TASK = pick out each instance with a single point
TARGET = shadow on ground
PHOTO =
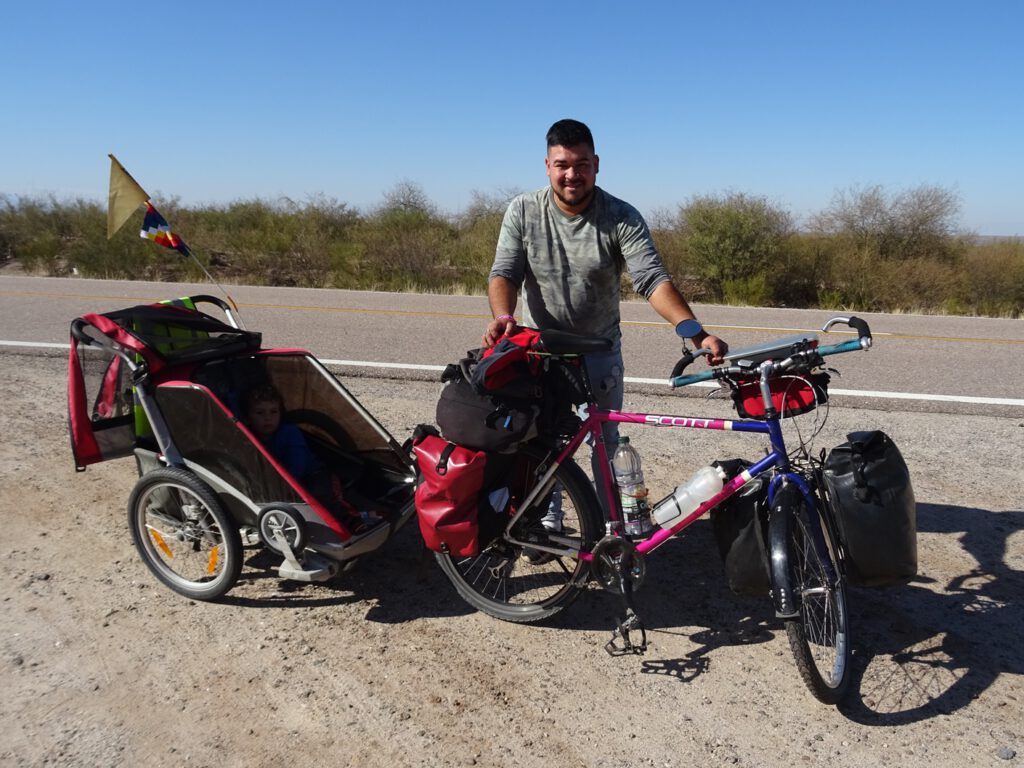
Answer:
(920, 650)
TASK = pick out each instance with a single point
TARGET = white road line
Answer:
(366, 364)
(630, 380)
(34, 345)
(869, 393)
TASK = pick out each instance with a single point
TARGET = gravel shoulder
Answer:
(385, 665)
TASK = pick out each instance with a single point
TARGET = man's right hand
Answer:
(497, 329)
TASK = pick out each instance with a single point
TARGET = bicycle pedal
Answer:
(632, 622)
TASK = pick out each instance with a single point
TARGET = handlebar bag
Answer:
(791, 395)
(458, 503)
(871, 495)
(739, 524)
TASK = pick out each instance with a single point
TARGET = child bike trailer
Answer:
(167, 383)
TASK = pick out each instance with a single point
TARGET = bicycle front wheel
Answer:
(184, 535)
(819, 635)
(513, 583)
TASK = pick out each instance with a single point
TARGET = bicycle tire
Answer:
(819, 634)
(183, 534)
(501, 582)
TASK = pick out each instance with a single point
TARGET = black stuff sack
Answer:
(871, 495)
(480, 421)
(739, 524)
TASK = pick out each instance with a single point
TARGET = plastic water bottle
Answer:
(632, 492)
(687, 497)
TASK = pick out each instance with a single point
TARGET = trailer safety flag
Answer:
(125, 197)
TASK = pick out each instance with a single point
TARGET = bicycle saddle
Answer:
(556, 342)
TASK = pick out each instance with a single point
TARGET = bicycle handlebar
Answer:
(809, 356)
(687, 358)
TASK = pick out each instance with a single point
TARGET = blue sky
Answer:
(793, 101)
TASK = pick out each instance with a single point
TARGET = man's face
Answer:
(573, 174)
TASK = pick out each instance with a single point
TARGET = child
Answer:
(264, 412)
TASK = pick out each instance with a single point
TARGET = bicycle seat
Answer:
(556, 342)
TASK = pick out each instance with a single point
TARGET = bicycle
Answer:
(527, 573)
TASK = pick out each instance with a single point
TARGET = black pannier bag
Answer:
(739, 524)
(873, 500)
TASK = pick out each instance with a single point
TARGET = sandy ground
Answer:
(385, 666)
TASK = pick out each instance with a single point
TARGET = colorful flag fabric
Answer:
(156, 228)
(124, 199)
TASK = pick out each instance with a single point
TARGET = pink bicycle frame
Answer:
(592, 426)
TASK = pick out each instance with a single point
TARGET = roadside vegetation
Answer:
(869, 250)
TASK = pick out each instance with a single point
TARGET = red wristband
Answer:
(506, 317)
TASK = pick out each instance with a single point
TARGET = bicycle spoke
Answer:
(517, 583)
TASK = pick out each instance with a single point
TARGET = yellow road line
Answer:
(474, 316)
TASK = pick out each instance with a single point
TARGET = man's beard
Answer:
(584, 201)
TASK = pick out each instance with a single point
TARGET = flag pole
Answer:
(212, 280)
(134, 195)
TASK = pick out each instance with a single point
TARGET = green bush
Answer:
(994, 278)
(734, 240)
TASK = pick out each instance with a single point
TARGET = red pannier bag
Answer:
(448, 496)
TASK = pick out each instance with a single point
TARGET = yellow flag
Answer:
(125, 197)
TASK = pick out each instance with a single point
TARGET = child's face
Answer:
(264, 418)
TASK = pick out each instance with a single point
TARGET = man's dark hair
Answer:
(569, 133)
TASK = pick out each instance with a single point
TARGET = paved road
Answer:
(955, 357)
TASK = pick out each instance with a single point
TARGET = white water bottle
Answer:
(687, 497)
(632, 492)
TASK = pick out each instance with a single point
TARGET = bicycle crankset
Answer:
(615, 561)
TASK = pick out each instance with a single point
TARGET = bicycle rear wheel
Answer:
(819, 635)
(508, 582)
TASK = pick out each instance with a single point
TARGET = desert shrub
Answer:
(994, 278)
(733, 239)
(406, 243)
(801, 272)
(918, 223)
(477, 231)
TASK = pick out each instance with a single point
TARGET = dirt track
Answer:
(386, 666)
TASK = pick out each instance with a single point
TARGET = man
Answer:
(566, 245)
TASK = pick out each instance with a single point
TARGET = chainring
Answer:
(613, 555)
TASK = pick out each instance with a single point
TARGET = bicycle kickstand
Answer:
(629, 624)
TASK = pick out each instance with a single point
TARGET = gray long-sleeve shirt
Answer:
(570, 267)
